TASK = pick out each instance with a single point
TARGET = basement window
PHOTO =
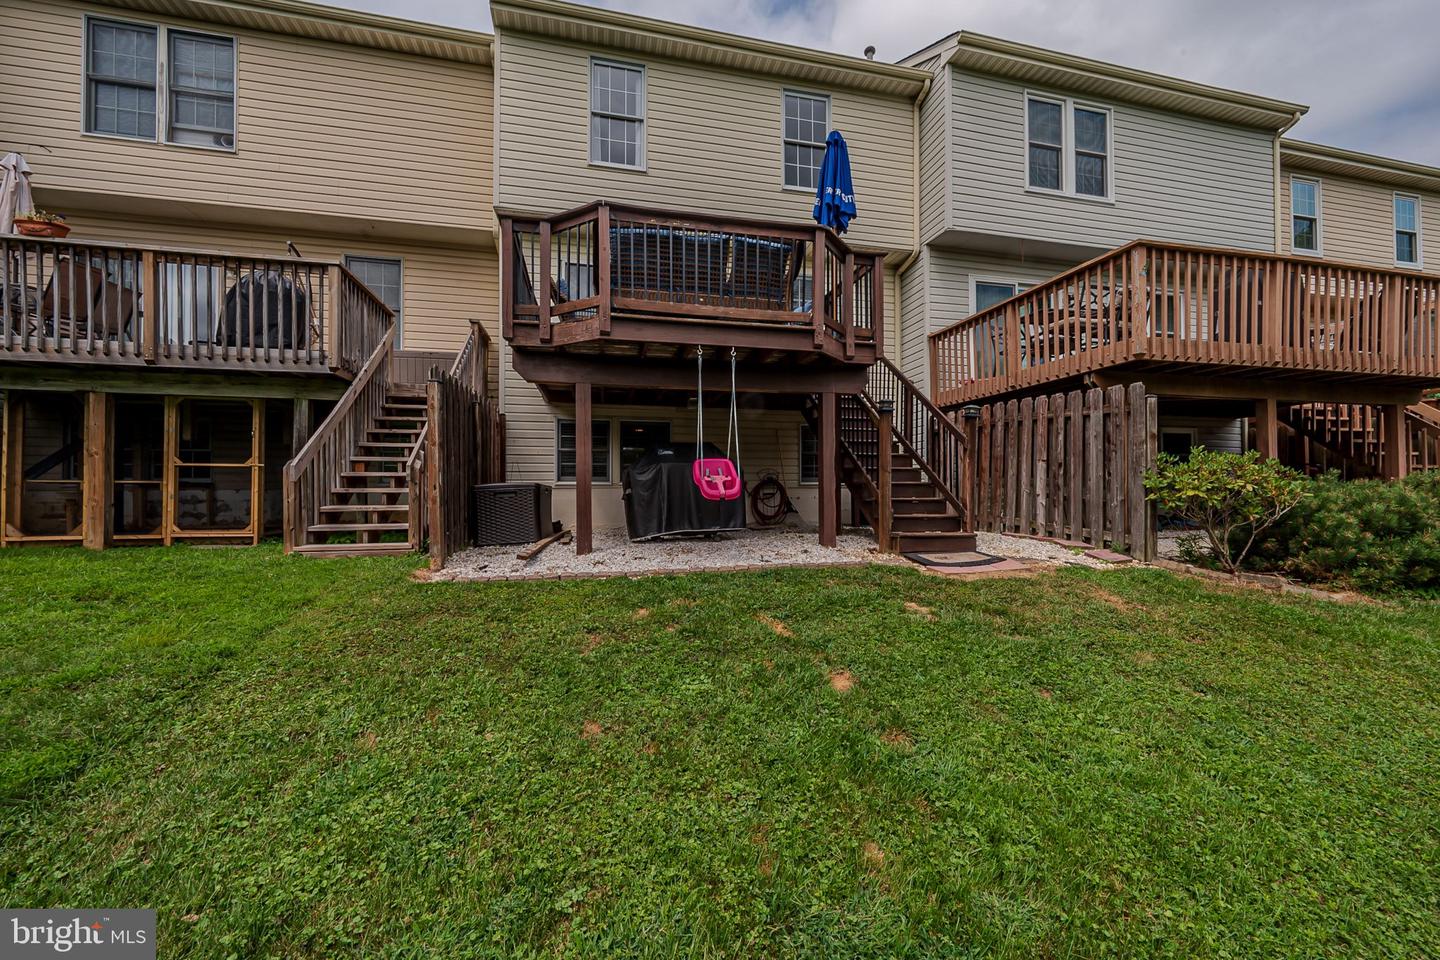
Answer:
(599, 451)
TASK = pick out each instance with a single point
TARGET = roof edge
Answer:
(321, 14)
(1308, 150)
(717, 39)
(1284, 112)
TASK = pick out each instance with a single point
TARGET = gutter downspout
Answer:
(1279, 213)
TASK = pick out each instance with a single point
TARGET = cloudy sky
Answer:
(1368, 70)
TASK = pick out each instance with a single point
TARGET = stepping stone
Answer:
(1110, 556)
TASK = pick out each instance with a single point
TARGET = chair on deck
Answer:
(81, 301)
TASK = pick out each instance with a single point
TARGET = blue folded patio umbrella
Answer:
(835, 194)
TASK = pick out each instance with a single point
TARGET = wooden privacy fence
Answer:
(1070, 466)
(463, 444)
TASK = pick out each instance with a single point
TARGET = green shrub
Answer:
(1376, 534)
(1232, 497)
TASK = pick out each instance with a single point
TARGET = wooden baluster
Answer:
(819, 258)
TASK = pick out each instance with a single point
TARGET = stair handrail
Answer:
(310, 474)
(947, 453)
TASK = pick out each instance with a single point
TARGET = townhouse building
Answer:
(290, 222)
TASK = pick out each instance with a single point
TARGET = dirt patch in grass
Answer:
(591, 730)
(925, 612)
(841, 681)
(872, 855)
(642, 613)
(1144, 658)
(779, 627)
(683, 602)
(366, 740)
(1045, 693)
(593, 642)
(1119, 603)
(898, 739)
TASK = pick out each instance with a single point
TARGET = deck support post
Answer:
(829, 476)
(300, 429)
(96, 471)
(1394, 439)
(583, 470)
(1267, 428)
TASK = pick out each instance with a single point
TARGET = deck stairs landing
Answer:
(367, 512)
(1351, 434)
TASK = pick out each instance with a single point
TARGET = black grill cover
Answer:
(268, 299)
(661, 497)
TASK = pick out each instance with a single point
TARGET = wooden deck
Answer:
(76, 302)
(1165, 310)
(646, 284)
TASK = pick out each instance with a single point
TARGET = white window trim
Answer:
(1419, 261)
(1020, 287)
(400, 319)
(609, 480)
(162, 84)
(1068, 106)
(829, 117)
(1319, 250)
(644, 117)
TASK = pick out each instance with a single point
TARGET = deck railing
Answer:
(1191, 305)
(80, 302)
(602, 260)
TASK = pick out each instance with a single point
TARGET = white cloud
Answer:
(1367, 71)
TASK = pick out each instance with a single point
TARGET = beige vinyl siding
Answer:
(952, 273)
(1357, 219)
(712, 141)
(935, 161)
(1212, 433)
(1175, 177)
(443, 287)
(770, 443)
(322, 128)
(914, 354)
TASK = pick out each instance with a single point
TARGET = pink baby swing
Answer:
(717, 478)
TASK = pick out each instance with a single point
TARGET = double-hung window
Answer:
(1407, 230)
(202, 90)
(807, 121)
(384, 276)
(120, 79)
(1067, 147)
(617, 114)
(1304, 215)
(128, 95)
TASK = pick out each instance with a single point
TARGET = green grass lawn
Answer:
(301, 758)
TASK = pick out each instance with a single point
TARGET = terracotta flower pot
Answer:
(41, 228)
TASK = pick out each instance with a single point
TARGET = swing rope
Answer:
(732, 429)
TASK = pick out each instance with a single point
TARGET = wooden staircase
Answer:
(912, 497)
(1350, 433)
(367, 511)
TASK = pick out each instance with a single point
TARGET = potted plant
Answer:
(38, 223)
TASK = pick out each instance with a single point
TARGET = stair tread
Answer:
(375, 474)
(354, 549)
(364, 507)
(379, 527)
(353, 490)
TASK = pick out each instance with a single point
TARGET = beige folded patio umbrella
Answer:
(15, 195)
